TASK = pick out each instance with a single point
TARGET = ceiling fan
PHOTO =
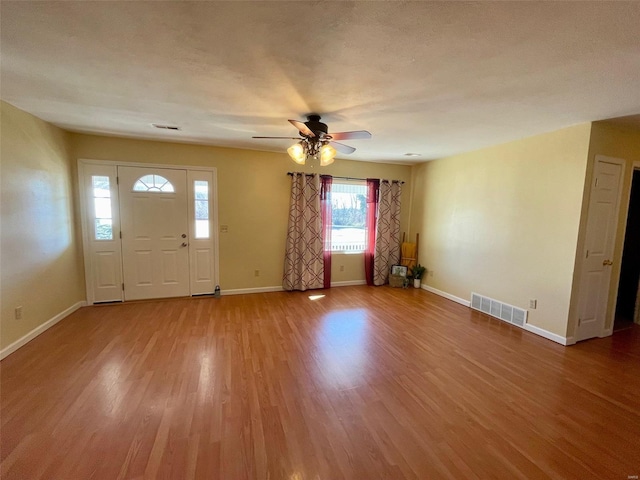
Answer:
(317, 142)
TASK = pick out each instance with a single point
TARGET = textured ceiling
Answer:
(435, 78)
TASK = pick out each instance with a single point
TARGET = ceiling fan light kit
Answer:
(327, 154)
(297, 153)
(319, 144)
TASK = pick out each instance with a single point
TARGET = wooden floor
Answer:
(364, 383)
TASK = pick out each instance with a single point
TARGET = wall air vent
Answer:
(503, 311)
(165, 127)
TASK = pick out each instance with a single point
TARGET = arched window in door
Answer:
(153, 183)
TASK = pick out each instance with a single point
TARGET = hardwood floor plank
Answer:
(363, 383)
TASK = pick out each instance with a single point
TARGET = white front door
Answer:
(155, 234)
(602, 221)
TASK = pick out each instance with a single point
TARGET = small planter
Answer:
(417, 272)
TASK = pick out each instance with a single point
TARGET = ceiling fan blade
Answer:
(342, 148)
(302, 128)
(287, 138)
(357, 135)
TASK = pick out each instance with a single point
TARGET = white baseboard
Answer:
(446, 295)
(527, 326)
(8, 350)
(243, 291)
(548, 335)
(348, 283)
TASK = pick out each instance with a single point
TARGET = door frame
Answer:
(634, 166)
(614, 279)
(84, 165)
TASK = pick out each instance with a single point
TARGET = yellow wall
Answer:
(503, 222)
(253, 199)
(621, 142)
(41, 259)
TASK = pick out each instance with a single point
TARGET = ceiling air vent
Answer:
(165, 127)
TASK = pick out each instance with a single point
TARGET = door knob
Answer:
(184, 244)
(184, 235)
(607, 262)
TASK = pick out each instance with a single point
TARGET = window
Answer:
(153, 183)
(201, 195)
(102, 208)
(348, 217)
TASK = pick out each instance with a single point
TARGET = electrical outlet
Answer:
(256, 273)
(224, 228)
(533, 304)
(19, 313)
(342, 268)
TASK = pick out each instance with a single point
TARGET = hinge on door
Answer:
(585, 257)
(579, 322)
(117, 180)
(123, 286)
(120, 234)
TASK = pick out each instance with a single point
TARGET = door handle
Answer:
(184, 235)
(184, 244)
(607, 263)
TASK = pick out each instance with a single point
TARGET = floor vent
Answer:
(503, 311)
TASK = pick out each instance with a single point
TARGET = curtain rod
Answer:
(343, 178)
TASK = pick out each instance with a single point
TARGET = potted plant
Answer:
(416, 273)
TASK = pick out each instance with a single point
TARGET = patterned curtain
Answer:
(373, 187)
(325, 203)
(387, 248)
(304, 255)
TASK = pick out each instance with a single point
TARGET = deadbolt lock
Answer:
(184, 235)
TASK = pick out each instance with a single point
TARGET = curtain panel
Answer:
(387, 240)
(305, 258)
(373, 186)
(325, 202)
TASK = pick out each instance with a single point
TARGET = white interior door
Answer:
(602, 221)
(155, 234)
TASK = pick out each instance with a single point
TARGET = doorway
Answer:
(627, 301)
(602, 221)
(149, 231)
